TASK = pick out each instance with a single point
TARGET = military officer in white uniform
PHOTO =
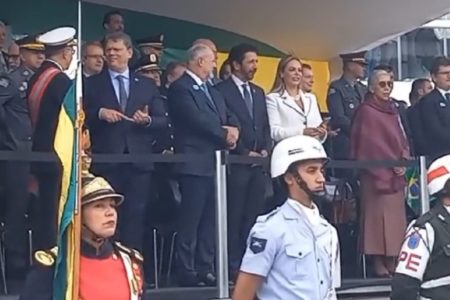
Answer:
(423, 268)
(293, 252)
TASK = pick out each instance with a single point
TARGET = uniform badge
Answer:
(4, 82)
(257, 245)
(331, 91)
(414, 241)
(351, 105)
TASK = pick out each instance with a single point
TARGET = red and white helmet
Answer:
(438, 174)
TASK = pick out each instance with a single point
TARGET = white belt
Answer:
(436, 283)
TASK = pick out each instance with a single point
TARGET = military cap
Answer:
(357, 57)
(148, 62)
(155, 41)
(30, 43)
(58, 37)
(97, 188)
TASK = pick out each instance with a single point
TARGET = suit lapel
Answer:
(288, 101)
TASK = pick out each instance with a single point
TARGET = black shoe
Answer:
(190, 280)
(208, 278)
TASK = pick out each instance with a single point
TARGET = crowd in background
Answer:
(133, 106)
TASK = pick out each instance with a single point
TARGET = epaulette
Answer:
(266, 217)
(133, 253)
(46, 257)
(422, 220)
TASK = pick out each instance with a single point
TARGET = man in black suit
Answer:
(46, 92)
(245, 182)
(435, 110)
(202, 126)
(123, 111)
(420, 87)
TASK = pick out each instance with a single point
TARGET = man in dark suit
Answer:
(245, 182)
(202, 126)
(15, 135)
(435, 110)
(123, 110)
(420, 87)
(46, 92)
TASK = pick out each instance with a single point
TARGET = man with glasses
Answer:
(435, 110)
(93, 58)
(46, 91)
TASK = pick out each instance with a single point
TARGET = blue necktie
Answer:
(204, 88)
(123, 97)
(248, 99)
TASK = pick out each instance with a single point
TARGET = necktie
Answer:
(123, 97)
(205, 89)
(248, 99)
(447, 96)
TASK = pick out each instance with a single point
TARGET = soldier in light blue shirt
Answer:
(292, 252)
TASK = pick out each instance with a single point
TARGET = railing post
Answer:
(424, 197)
(223, 292)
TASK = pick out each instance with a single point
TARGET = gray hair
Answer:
(373, 77)
(198, 51)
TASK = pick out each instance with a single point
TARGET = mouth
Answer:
(109, 224)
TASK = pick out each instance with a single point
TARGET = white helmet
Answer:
(294, 149)
(438, 174)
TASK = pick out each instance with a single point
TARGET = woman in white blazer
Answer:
(292, 112)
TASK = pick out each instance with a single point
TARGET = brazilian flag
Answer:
(66, 147)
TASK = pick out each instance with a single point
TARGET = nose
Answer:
(321, 178)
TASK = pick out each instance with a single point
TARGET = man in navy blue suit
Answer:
(202, 125)
(123, 112)
(245, 182)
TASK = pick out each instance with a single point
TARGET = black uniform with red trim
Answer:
(423, 269)
(48, 174)
(112, 272)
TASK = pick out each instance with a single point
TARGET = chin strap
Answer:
(304, 186)
(96, 238)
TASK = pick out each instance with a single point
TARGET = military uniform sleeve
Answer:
(5, 97)
(157, 112)
(412, 262)
(336, 108)
(261, 250)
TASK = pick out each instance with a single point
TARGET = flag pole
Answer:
(79, 158)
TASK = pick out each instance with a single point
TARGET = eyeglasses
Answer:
(384, 84)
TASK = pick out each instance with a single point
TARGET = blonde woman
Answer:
(292, 112)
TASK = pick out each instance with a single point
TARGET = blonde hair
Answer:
(278, 84)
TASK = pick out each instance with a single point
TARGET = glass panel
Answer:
(385, 54)
(419, 47)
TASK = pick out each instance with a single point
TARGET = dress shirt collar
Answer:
(114, 74)
(194, 76)
(238, 81)
(443, 92)
(312, 214)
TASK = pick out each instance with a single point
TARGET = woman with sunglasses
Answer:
(377, 134)
(108, 270)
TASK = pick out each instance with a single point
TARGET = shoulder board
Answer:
(4, 81)
(266, 217)
(422, 220)
(134, 254)
(46, 258)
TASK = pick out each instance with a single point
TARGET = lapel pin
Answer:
(136, 79)
(442, 104)
(195, 87)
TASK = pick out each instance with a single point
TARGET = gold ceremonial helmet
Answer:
(97, 188)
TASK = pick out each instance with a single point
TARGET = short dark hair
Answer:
(386, 68)
(108, 15)
(306, 66)
(222, 68)
(89, 44)
(438, 62)
(237, 53)
(416, 85)
(169, 70)
(118, 36)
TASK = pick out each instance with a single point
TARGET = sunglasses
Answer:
(384, 84)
